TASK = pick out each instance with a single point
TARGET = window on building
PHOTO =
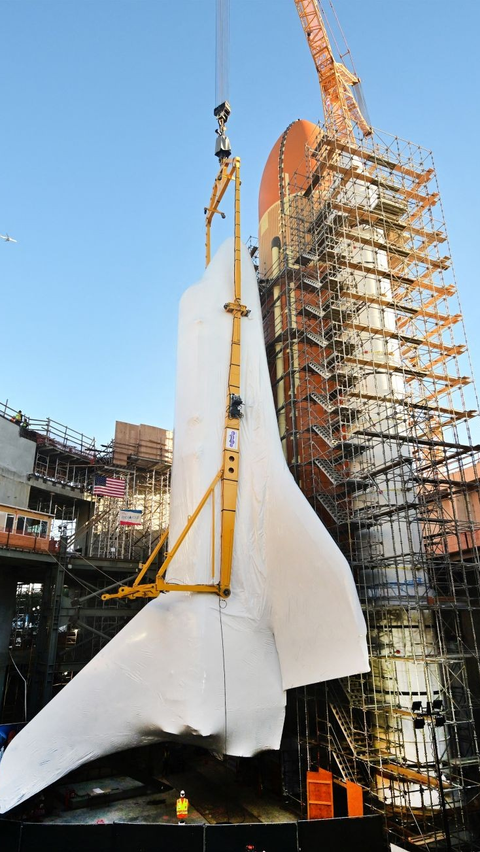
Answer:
(43, 529)
(9, 523)
(20, 524)
(32, 526)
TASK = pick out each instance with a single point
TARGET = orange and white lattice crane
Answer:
(339, 105)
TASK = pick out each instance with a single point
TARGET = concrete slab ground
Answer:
(213, 791)
(153, 807)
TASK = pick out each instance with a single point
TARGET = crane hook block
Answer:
(222, 146)
(222, 111)
(223, 149)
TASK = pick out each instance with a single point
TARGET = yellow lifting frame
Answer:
(228, 474)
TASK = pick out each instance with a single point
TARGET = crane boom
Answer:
(339, 105)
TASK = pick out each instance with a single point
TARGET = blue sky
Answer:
(107, 162)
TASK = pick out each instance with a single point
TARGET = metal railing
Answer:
(10, 539)
(54, 433)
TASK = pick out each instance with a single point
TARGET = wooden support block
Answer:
(354, 799)
(320, 794)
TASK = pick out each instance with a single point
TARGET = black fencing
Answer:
(157, 838)
(271, 837)
(354, 834)
(361, 834)
(63, 838)
(10, 836)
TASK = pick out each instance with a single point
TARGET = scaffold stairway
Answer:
(355, 739)
(327, 436)
(344, 761)
(312, 282)
(323, 401)
(316, 338)
(307, 258)
(314, 310)
(356, 692)
(317, 368)
(330, 471)
(338, 515)
(345, 764)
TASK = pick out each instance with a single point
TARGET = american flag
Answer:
(105, 486)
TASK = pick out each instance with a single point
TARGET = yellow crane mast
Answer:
(339, 105)
(227, 476)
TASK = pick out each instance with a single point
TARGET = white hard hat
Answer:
(182, 794)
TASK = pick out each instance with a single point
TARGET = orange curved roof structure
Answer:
(293, 141)
(287, 156)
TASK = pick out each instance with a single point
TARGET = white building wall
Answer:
(17, 456)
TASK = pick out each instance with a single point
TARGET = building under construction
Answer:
(64, 540)
(365, 340)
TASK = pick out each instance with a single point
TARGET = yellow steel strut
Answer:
(228, 474)
(231, 451)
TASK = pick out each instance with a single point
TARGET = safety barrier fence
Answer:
(34, 543)
(50, 431)
(362, 834)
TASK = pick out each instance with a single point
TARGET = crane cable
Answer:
(357, 87)
(222, 42)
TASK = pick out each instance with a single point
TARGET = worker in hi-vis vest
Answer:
(182, 807)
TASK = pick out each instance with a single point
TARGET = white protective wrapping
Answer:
(190, 666)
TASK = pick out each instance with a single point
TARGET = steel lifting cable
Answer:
(96, 567)
(25, 687)
(93, 592)
(222, 604)
(88, 586)
(357, 88)
(222, 39)
(84, 583)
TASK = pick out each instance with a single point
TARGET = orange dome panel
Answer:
(288, 156)
(294, 138)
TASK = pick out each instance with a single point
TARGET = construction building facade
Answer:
(63, 543)
(367, 352)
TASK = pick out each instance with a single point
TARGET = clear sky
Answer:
(107, 163)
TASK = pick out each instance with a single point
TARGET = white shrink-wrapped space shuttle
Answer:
(195, 667)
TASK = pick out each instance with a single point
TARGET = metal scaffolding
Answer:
(145, 490)
(366, 346)
(59, 621)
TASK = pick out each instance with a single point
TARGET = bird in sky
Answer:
(7, 238)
